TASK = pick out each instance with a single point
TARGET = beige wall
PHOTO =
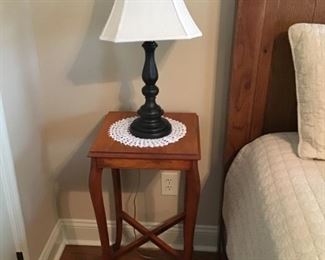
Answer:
(83, 78)
(20, 88)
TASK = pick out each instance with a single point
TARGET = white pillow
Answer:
(308, 51)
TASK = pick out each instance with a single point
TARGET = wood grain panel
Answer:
(244, 70)
(264, 64)
(319, 12)
(262, 97)
(146, 164)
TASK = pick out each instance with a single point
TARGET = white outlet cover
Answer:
(170, 182)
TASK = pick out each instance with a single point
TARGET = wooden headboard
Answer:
(262, 96)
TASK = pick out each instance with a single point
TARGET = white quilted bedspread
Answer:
(274, 203)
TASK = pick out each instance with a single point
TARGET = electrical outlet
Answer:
(169, 182)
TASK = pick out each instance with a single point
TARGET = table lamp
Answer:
(149, 21)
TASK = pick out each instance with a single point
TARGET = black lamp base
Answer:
(150, 124)
(150, 129)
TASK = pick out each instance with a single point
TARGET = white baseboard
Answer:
(54, 246)
(84, 232)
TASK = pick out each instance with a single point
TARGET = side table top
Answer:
(187, 148)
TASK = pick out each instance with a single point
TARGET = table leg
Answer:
(118, 207)
(192, 197)
(95, 188)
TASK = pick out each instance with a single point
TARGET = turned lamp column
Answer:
(150, 124)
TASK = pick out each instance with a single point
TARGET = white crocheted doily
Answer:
(119, 131)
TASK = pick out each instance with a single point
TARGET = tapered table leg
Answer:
(192, 197)
(95, 188)
(118, 207)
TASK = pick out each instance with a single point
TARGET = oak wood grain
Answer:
(245, 55)
(182, 155)
(191, 202)
(145, 163)
(155, 239)
(118, 206)
(186, 148)
(96, 193)
(156, 231)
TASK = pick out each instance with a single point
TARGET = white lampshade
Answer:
(149, 20)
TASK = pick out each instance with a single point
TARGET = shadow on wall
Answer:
(102, 61)
(223, 65)
(74, 172)
(98, 62)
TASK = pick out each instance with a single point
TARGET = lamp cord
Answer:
(135, 214)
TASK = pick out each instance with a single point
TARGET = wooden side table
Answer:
(182, 155)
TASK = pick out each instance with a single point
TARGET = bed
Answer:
(274, 201)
